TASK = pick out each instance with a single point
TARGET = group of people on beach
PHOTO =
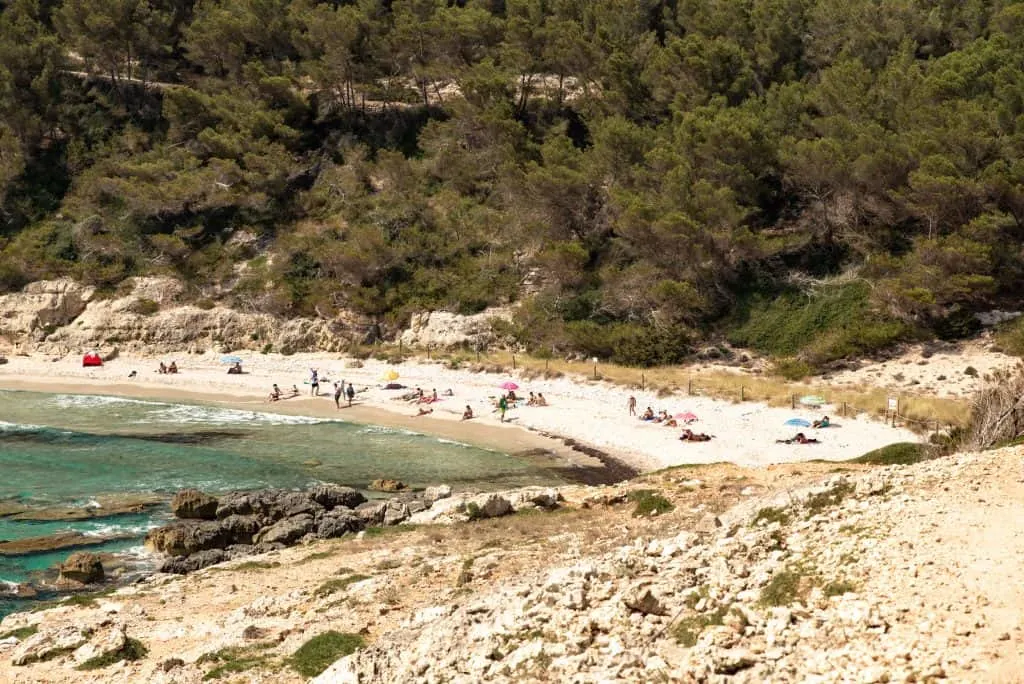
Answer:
(167, 370)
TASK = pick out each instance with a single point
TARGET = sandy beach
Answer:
(593, 413)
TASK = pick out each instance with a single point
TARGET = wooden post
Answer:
(428, 352)
(513, 362)
(844, 410)
(399, 347)
(545, 365)
(643, 382)
(742, 397)
(595, 371)
(689, 387)
(792, 402)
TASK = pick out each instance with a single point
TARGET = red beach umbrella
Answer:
(509, 385)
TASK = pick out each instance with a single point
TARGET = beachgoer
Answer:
(295, 391)
(503, 406)
(132, 374)
(350, 393)
(434, 397)
(173, 368)
(275, 393)
(449, 393)
(532, 401)
(419, 395)
(314, 382)
(632, 406)
(162, 369)
(541, 401)
(236, 369)
(468, 413)
(338, 391)
(671, 422)
(823, 423)
(648, 414)
(424, 411)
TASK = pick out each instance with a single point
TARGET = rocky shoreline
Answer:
(211, 530)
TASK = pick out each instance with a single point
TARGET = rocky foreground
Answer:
(816, 572)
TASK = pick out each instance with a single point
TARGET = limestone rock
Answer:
(185, 537)
(395, 512)
(432, 494)
(191, 503)
(182, 565)
(46, 643)
(331, 495)
(81, 568)
(489, 506)
(287, 531)
(642, 600)
(441, 329)
(338, 523)
(41, 307)
(372, 512)
(106, 641)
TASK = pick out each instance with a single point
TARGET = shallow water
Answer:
(67, 449)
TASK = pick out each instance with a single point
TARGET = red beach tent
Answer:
(92, 359)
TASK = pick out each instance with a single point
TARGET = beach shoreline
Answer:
(586, 425)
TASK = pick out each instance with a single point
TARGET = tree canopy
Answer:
(814, 177)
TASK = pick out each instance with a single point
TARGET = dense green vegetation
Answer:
(809, 177)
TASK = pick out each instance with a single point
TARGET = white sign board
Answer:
(894, 404)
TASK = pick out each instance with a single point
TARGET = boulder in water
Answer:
(388, 485)
(81, 568)
(194, 504)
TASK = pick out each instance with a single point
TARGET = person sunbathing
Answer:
(671, 422)
(512, 396)
(691, 436)
(424, 411)
(823, 423)
(798, 438)
(468, 413)
(648, 415)
(236, 369)
(295, 391)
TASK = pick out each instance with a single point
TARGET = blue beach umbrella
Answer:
(230, 358)
(798, 422)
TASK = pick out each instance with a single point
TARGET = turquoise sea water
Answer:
(64, 449)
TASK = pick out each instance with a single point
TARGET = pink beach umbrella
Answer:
(509, 385)
(687, 416)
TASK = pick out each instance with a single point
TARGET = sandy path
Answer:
(593, 413)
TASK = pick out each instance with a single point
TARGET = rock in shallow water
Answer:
(194, 504)
(81, 568)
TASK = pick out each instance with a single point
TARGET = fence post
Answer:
(545, 365)
(428, 352)
(689, 387)
(844, 409)
(792, 402)
(643, 382)
(742, 397)
(513, 362)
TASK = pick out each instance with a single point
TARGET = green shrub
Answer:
(839, 588)
(235, 659)
(836, 322)
(688, 630)
(784, 588)
(1010, 336)
(144, 307)
(816, 503)
(901, 453)
(792, 368)
(317, 654)
(770, 515)
(331, 586)
(133, 649)
(649, 502)
(21, 633)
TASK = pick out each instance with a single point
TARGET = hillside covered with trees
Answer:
(812, 177)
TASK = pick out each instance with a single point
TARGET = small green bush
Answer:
(649, 502)
(971, 372)
(21, 633)
(144, 307)
(235, 659)
(133, 649)
(784, 588)
(770, 515)
(816, 503)
(900, 453)
(688, 630)
(335, 585)
(317, 654)
(839, 588)
(792, 368)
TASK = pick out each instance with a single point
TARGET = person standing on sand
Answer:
(314, 382)
(632, 406)
(503, 406)
(350, 393)
(338, 391)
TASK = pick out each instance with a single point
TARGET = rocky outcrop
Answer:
(27, 317)
(60, 316)
(256, 522)
(191, 503)
(441, 329)
(81, 568)
(44, 644)
(388, 485)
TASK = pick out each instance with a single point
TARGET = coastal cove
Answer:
(86, 469)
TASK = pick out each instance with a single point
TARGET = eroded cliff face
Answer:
(62, 316)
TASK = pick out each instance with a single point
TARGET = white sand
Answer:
(593, 413)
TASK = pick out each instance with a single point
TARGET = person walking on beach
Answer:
(632, 406)
(338, 391)
(503, 406)
(350, 393)
(314, 382)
